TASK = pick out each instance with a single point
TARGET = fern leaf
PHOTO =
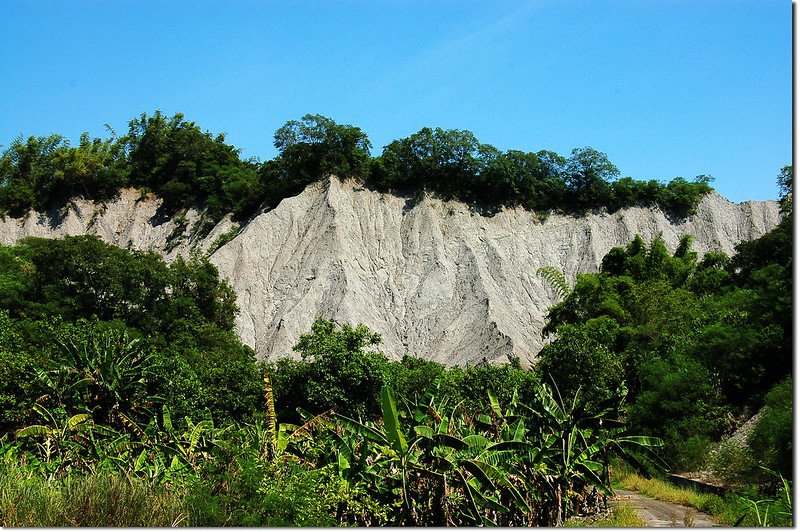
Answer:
(556, 280)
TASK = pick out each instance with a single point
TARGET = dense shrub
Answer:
(695, 341)
(187, 167)
(771, 439)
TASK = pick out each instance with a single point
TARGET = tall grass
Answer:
(98, 500)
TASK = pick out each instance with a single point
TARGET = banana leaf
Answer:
(34, 430)
(356, 427)
(391, 424)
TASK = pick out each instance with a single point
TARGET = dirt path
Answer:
(664, 514)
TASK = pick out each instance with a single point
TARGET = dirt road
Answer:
(664, 514)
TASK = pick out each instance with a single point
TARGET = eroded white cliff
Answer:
(434, 278)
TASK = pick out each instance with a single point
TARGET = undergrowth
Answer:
(101, 500)
(620, 516)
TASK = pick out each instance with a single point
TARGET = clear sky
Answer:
(663, 87)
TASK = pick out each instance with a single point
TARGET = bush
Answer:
(733, 463)
(337, 371)
(771, 439)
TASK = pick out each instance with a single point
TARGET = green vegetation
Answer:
(28, 500)
(123, 383)
(621, 516)
(187, 167)
(124, 386)
(70, 306)
(692, 343)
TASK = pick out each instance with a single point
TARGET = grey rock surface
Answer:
(131, 221)
(433, 277)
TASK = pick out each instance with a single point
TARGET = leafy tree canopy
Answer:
(695, 341)
(187, 167)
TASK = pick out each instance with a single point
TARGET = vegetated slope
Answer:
(434, 278)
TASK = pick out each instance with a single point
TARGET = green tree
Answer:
(533, 180)
(680, 403)
(316, 146)
(197, 293)
(186, 166)
(448, 162)
(682, 197)
(587, 174)
(207, 369)
(18, 390)
(786, 188)
(771, 439)
(583, 358)
(94, 169)
(341, 373)
(27, 170)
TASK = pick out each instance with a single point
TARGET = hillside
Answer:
(434, 278)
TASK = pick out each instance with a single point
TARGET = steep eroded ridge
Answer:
(434, 278)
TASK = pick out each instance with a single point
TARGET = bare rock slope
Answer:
(131, 221)
(434, 278)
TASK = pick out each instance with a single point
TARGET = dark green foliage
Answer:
(472, 383)
(695, 342)
(288, 496)
(17, 389)
(786, 188)
(587, 176)
(582, 360)
(533, 180)
(35, 172)
(197, 294)
(771, 439)
(448, 162)
(483, 445)
(83, 277)
(187, 167)
(412, 376)
(315, 146)
(185, 311)
(207, 369)
(679, 402)
(102, 373)
(681, 197)
(337, 370)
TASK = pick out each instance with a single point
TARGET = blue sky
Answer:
(664, 88)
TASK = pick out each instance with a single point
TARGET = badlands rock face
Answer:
(434, 278)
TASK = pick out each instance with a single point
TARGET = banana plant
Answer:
(275, 436)
(63, 438)
(113, 369)
(440, 469)
(575, 449)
